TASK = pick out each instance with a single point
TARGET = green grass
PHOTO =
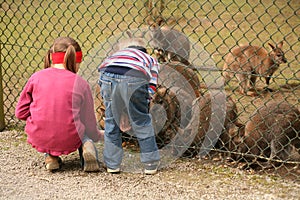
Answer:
(29, 28)
(216, 25)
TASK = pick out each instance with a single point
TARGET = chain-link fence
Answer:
(214, 98)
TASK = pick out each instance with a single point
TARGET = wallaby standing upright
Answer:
(169, 44)
(247, 62)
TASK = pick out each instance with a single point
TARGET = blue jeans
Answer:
(130, 94)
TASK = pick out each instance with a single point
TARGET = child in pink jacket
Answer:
(58, 107)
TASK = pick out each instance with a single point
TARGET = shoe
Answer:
(151, 168)
(89, 157)
(52, 162)
(113, 171)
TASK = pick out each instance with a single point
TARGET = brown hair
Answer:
(67, 45)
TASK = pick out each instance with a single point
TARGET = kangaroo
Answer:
(270, 133)
(175, 119)
(247, 62)
(169, 44)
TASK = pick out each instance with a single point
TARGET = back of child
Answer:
(58, 107)
(127, 77)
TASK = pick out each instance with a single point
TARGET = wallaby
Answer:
(165, 109)
(247, 62)
(169, 44)
(176, 106)
(270, 132)
(207, 114)
(176, 74)
(171, 110)
(178, 87)
(212, 123)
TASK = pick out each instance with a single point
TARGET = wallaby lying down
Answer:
(270, 133)
(217, 113)
(247, 62)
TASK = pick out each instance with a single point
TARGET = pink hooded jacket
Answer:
(58, 108)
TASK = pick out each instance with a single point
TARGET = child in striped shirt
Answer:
(128, 79)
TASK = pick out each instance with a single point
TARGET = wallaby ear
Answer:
(129, 34)
(272, 46)
(279, 45)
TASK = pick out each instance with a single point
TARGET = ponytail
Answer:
(47, 62)
(70, 59)
(64, 50)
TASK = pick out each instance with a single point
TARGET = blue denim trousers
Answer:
(122, 93)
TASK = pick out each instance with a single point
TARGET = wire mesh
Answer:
(213, 28)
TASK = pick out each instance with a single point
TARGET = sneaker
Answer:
(52, 162)
(151, 168)
(113, 171)
(89, 157)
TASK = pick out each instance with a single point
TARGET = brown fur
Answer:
(176, 74)
(204, 105)
(100, 108)
(231, 116)
(169, 44)
(178, 87)
(247, 62)
(271, 131)
(154, 9)
(170, 106)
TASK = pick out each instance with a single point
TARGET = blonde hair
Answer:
(67, 45)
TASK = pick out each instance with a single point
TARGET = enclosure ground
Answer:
(23, 176)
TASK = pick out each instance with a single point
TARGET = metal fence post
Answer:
(2, 122)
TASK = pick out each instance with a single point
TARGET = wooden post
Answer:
(2, 116)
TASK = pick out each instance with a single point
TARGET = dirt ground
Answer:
(23, 176)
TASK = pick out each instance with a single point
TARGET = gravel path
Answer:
(22, 176)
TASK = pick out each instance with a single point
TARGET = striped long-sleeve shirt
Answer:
(132, 58)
